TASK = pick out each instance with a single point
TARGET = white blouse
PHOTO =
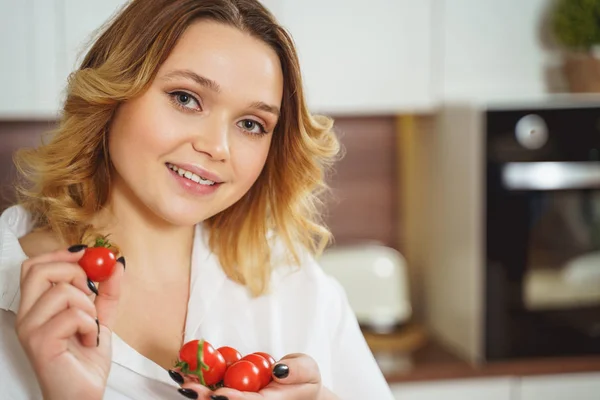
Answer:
(305, 312)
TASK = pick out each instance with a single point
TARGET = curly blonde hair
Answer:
(67, 180)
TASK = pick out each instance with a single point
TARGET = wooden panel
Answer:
(364, 206)
(14, 135)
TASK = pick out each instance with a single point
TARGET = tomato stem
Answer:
(102, 241)
(201, 364)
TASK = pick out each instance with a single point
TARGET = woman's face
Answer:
(195, 142)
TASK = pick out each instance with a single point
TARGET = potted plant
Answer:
(576, 27)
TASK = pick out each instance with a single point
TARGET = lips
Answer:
(196, 174)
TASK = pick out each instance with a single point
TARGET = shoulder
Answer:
(19, 237)
(15, 223)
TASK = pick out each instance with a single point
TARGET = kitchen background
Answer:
(460, 120)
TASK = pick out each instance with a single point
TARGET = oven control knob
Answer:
(531, 132)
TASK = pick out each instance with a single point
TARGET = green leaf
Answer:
(576, 23)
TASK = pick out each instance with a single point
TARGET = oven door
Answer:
(543, 259)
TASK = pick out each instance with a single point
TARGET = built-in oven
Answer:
(513, 263)
(542, 232)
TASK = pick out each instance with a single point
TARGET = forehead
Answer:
(237, 61)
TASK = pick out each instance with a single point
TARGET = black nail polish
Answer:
(189, 393)
(216, 397)
(98, 337)
(92, 287)
(176, 376)
(76, 248)
(122, 261)
(281, 371)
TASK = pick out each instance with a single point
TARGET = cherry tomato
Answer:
(98, 263)
(267, 357)
(230, 354)
(243, 376)
(201, 353)
(263, 366)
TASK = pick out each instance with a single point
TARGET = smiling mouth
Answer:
(190, 175)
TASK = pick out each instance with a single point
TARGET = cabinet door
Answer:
(561, 387)
(28, 58)
(490, 50)
(359, 57)
(81, 21)
(462, 389)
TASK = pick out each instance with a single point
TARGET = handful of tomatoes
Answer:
(225, 366)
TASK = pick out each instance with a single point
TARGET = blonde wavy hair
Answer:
(67, 180)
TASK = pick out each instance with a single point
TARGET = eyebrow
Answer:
(200, 80)
(215, 87)
(259, 105)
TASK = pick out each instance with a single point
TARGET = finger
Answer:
(55, 300)
(195, 391)
(71, 255)
(52, 339)
(296, 369)
(74, 321)
(41, 277)
(180, 378)
(109, 293)
(233, 394)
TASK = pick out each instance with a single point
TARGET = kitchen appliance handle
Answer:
(550, 175)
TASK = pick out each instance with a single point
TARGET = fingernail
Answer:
(77, 247)
(189, 393)
(176, 376)
(122, 261)
(216, 397)
(281, 371)
(92, 287)
(98, 337)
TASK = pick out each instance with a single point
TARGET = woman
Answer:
(185, 138)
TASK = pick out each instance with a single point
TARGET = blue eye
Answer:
(184, 100)
(252, 126)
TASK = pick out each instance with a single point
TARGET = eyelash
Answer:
(173, 98)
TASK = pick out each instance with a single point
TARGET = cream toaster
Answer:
(376, 282)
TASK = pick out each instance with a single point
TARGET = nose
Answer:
(213, 138)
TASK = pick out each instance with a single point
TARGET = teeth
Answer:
(191, 176)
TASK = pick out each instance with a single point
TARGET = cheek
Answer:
(139, 131)
(250, 160)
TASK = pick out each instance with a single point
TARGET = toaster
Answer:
(376, 283)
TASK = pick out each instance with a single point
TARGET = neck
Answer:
(149, 244)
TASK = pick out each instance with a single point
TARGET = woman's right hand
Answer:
(57, 325)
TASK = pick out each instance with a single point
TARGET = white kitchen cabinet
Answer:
(40, 41)
(585, 386)
(489, 50)
(460, 389)
(363, 57)
(28, 62)
(81, 21)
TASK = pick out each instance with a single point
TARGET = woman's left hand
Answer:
(295, 377)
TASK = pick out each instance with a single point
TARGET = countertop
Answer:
(411, 356)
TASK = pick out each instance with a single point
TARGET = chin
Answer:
(180, 215)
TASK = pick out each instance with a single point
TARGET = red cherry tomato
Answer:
(263, 366)
(194, 354)
(230, 354)
(243, 376)
(98, 263)
(267, 357)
